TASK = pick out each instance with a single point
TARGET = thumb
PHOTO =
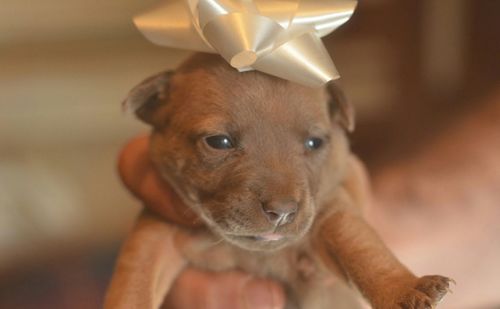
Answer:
(228, 290)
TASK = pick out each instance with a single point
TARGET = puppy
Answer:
(266, 165)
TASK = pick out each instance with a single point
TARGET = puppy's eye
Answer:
(313, 143)
(219, 142)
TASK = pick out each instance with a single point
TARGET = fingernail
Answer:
(258, 293)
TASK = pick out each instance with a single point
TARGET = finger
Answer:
(230, 290)
(141, 178)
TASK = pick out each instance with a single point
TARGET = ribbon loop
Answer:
(247, 37)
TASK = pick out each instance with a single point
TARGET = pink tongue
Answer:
(271, 236)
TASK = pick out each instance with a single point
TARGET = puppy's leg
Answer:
(148, 264)
(350, 242)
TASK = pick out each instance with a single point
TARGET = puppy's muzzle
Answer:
(280, 212)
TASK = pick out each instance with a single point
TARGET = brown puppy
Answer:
(266, 165)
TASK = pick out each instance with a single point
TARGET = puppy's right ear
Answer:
(146, 98)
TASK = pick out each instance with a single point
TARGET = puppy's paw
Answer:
(435, 286)
(426, 293)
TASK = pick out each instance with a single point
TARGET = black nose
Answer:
(280, 212)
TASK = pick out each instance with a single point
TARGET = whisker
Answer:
(215, 243)
(186, 210)
(219, 241)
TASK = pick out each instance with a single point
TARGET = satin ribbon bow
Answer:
(278, 37)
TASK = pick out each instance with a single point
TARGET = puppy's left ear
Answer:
(340, 108)
(146, 98)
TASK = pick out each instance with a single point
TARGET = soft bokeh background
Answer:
(65, 67)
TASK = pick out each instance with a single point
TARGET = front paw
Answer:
(425, 293)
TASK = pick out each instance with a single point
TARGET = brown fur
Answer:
(269, 120)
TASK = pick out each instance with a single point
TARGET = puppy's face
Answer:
(245, 150)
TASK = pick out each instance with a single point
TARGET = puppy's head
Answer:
(247, 151)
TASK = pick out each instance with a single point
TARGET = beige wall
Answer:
(65, 67)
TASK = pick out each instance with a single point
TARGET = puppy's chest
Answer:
(297, 263)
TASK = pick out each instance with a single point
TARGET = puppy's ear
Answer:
(146, 98)
(340, 108)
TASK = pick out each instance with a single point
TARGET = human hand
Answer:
(193, 288)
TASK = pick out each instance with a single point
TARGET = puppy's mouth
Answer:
(264, 237)
(270, 241)
(260, 238)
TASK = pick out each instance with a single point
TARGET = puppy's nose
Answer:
(280, 212)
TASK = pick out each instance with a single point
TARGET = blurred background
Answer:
(65, 66)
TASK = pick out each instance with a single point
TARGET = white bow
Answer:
(278, 37)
